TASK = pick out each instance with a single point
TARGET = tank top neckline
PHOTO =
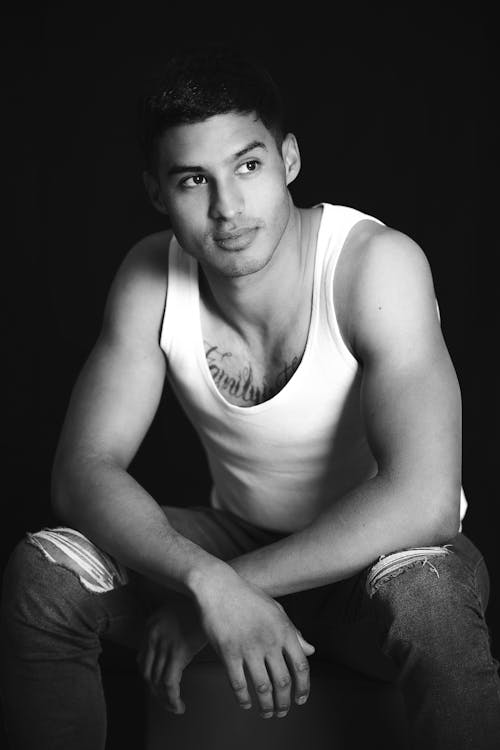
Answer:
(313, 324)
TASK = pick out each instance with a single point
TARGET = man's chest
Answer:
(245, 375)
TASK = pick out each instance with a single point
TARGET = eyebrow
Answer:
(181, 168)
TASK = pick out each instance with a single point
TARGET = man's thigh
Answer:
(341, 619)
(61, 590)
(218, 532)
(339, 622)
(112, 600)
(117, 594)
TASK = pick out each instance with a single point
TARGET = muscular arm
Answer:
(111, 409)
(410, 403)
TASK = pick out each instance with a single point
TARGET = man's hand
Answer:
(253, 636)
(172, 637)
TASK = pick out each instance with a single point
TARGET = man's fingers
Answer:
(170, 685)
(146, 663)
(158, 669)
(282, 683)
(307, 647)
(299, 668)
(238, 682)
(263, 686)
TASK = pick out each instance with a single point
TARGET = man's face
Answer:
(223, 183)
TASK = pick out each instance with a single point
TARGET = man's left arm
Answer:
(411, 407)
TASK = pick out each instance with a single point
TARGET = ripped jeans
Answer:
(414, 617)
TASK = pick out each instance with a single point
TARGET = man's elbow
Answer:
(71, 474)
(444, 518)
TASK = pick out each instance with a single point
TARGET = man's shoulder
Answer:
(375, 254)
(151, 250)
(378, 263)
(386, 256)
(146, 263)
(137, 295)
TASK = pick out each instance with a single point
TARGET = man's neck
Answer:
(259, 305)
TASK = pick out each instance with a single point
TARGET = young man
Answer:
(305, 347)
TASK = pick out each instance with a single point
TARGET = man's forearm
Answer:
(374, 519)
(102, 501)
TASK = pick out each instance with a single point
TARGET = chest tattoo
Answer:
(240, 382)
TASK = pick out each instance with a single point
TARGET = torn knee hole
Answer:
(97, 571)
(390, 566)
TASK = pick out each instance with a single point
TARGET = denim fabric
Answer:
(417, 619)
(422, 625)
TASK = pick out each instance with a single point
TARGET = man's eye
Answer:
(193, 181)
(249, 166)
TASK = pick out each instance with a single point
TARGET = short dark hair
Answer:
(199, 83)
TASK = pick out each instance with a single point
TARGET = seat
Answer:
(345, 711)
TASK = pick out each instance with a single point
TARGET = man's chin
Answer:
(239, 268)
(226, 263)
(233, 264)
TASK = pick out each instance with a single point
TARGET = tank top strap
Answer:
(180, 307)
(335, 227)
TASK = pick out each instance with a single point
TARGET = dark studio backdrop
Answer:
(392, 110)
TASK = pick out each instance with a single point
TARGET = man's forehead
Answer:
(216, 139)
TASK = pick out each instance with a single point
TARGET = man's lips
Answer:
(236, 234)
(237, 240)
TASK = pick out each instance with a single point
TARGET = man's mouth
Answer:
(239, 239)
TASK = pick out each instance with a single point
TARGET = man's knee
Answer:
(422, 559)
(97, 571)
(425, 597)
(38, 558)
(26, 588)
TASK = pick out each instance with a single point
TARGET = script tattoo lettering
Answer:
(242, 384)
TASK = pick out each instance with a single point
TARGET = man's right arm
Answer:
(110, 411)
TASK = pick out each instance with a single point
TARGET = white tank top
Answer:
(279, 463)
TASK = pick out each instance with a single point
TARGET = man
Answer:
(305, 347)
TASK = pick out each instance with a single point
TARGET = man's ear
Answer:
(153, 190)
(291, 157)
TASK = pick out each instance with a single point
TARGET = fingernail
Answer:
(267, 715)
(302, 700)
(246, 706)
(281, 714)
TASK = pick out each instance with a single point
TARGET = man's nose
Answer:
(226, 202)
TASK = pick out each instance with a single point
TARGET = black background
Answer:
(393, 112)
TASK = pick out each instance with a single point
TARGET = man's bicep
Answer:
(118, 391)
(410, 397)
(412, 415)
(113, 403)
